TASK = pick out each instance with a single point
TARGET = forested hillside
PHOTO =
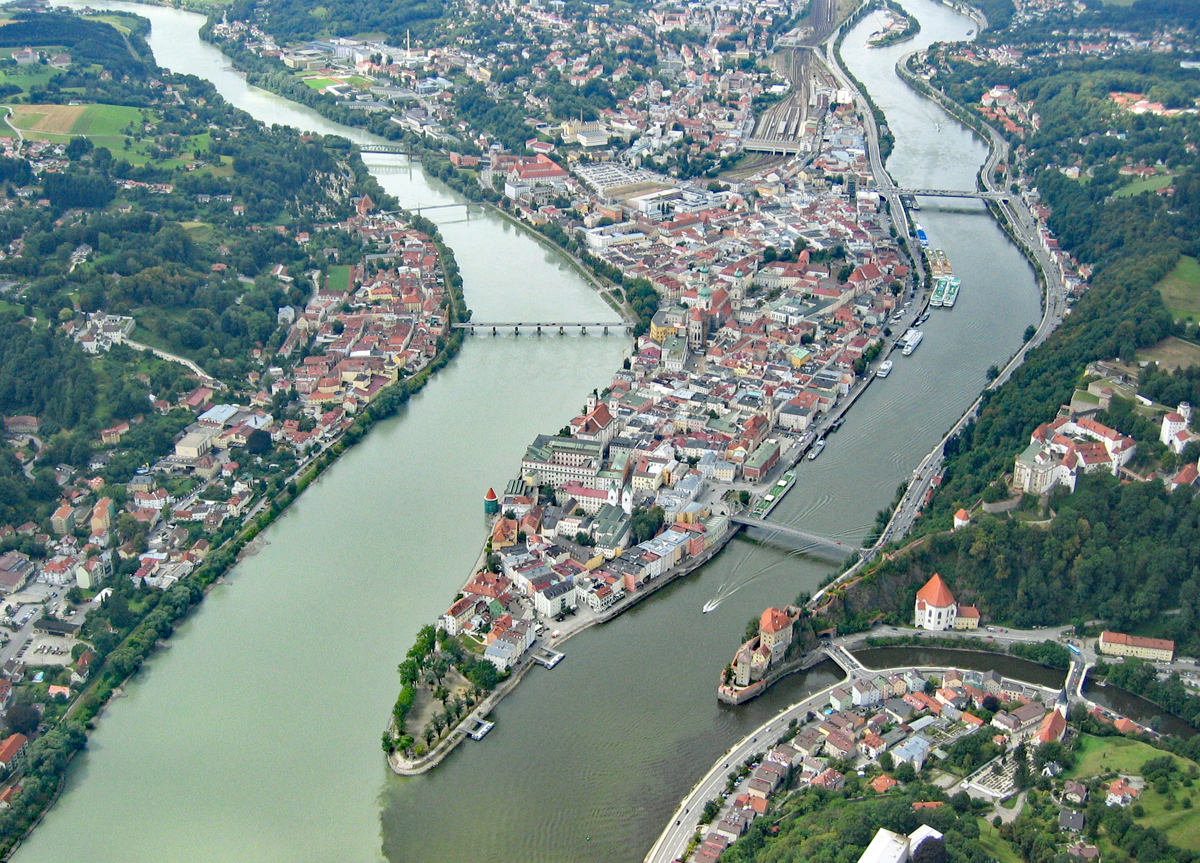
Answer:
(88, 41)
(1133, 242)
(1120, 553)
(294, 20)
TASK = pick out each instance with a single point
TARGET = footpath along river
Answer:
(255, 738)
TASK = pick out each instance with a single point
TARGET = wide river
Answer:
(256, 736)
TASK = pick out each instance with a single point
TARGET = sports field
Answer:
(338, 279)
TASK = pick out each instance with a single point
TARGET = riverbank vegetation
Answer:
(886, 139)
(1141, 678)
(424, 675)
(894, 37)
(823, 827)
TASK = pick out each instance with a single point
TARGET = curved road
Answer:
(673, 841)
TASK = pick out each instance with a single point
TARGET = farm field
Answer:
(56, 122)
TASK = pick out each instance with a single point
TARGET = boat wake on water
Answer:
(723, 594)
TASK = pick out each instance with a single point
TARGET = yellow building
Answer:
(1120, 644)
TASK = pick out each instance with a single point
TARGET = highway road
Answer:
(673, 841)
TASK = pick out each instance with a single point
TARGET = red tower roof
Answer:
(936, 593)
(491, 494)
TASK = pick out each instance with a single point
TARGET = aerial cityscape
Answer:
(758, 430)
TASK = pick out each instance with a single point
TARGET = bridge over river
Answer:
(811, 542)
(537, 326)
(948, 193)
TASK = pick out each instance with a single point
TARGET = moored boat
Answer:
(951, 293)
(911, 339)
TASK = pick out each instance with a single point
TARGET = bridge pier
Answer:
(516, 331)
(583, 330)
(539, 329)
(606, 331)
(562, 331)
(493, 331)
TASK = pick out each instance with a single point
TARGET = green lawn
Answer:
(1150, 184)
(1120, 754)
(1115, 754)
(989, 839)
(28, 76)
(338, 279)
(1182, 826)
(1181, 289)
(198, 230)
(320, 83)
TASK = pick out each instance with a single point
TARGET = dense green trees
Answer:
(646, 523)
(292, 20)
(73, 189)
(819, 827)
(43, 375)
(1123, 553)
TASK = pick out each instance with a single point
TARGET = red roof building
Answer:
(935, 606)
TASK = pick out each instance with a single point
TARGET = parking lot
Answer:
(49, 650)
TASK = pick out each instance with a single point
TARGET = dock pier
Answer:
(546, 657)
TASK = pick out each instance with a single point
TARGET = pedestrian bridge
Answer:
(496, 327)
(810, 541)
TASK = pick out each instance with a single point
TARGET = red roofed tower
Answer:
(935, 608)
(491, 505)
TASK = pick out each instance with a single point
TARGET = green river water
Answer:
(256, 736)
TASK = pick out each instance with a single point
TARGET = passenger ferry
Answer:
(921, 236)
(939, 292)
(816, 450)
(951, 293)
(885, 369)
(911, 339)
